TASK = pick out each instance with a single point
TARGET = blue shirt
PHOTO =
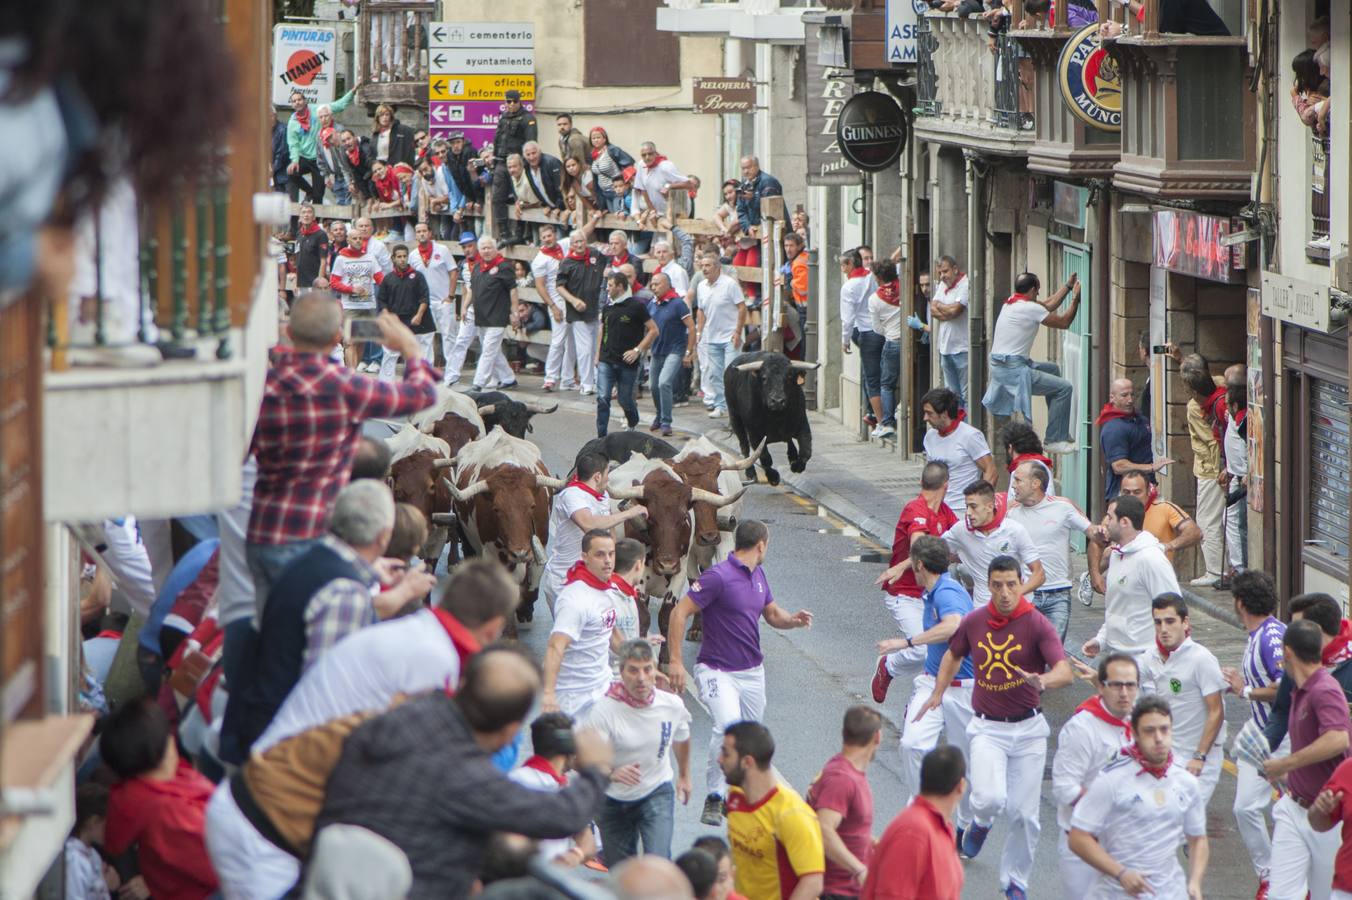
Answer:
(946, 598)
(1128, 439)
(748, 210)
(671, 333)
(731, 597)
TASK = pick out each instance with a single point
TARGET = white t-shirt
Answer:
(1137, 574)
(677, 275)
(1050, 524)
(357, 272)
(885, 318)
(1016, 328)
(644, 736)
(1236, 449)
(565, 537)
(626, 613)
(654, 179)
(377, 248)
(547, 267)
(436, 270)
(961, 448)
(976, 549)
(1085, 745)
(549, 848)
(952, 333)
(719, 302)
(1185, 679)
(587, 617)
(1140, 820)
(854, 294)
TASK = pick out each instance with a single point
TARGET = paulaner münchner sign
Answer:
(1090, 82)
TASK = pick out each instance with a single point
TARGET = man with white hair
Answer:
(617, 254)
(581, 276)
(492, 287)
(561, 362)
(675, 272)
(545, 174)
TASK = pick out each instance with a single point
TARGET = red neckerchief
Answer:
(1215, 404)
(580, 572)
(303, 117)
(387, 188)
(616, 261)
(1110, 412)
(586, 487)
(465, 644)
(670, 295)
(352, 252)
(1165, 654)
(1001, 507)
(953, 426)
(860, 272)
(109, 634)
(996, 619)
(617, 691)
(408, 272)
(624, 587)
(486, 264)
(657, 161)
(555, 252)
(1241, 416)
(540, 764)
(1338, 649)
(1029, 457)
(890, 293)
(326, 136)
(577, 252)
(355, 154)
(1015, 298)
(313, 227)
(1146, 768)
(426, 249)
(1094, 706)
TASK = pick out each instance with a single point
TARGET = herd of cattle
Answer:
(466, 464)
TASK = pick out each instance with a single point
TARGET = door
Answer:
(1073, 470)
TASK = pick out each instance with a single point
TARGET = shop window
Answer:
(1327, 496)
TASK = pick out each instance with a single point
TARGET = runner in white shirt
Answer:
(1136, 813)
(720, 317)
(951, 440)
(551, 739)
(948, 318)
(1138, 572)
(577, 657)
(435, 263)
(630, 560)
(561, 362)
(580, 507)
(988, 532)
(1092, 737)
(1187, 674)
(465, 331)
(1050, 522)
(647, 728)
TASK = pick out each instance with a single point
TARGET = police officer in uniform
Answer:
(515, 128)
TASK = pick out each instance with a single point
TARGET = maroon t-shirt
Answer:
(843, 788)
(1029, 642)
(1317, 707)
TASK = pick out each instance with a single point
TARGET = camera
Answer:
(290, 248)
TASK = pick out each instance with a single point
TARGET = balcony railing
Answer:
(926, 78)
(1318, 247)
(392, 50)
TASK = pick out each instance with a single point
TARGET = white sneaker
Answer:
(1062, 448)
(587, 392)
(884, 431)
(1206, 579)
(716, 414)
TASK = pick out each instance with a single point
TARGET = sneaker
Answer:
(713, 811)
(476, 388)
(666, 431)
(1085, 589)
(1262, 890)
(548, 387)
(884, 431)
(957, 839)
(881, 680)
(717, 414)
(586, 392)
(1061, 448)
(1206, 579)
(507, 387)
(1014, 892)
(656, 426)
(973, 838)
(1222, 583)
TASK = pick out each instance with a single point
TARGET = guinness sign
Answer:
(1089, 80)
(872, 131)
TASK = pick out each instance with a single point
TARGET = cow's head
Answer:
(778, 378)
(510, 494)
(668, 500)
(414, 478)
(513, 415)
(701, 471)
(455, 430)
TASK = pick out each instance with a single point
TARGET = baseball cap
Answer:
(512, 94)
(456, 136)
(467, 237)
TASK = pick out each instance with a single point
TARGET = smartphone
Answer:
(363, 330)
(1162, 349)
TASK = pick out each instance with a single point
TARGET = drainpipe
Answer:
(976, 307)
(1100, 329)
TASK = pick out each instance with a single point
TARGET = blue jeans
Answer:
(1055, 605)
(665, 370)
(623, 823)
(1046, 381)
(266, 562)
(607, 376)
(954, 366)
(891, 365)
(718, 361)
(870, 344)
(341, 193)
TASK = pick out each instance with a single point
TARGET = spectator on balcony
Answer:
(302, 136)
(610, 165)
(670, 266)
(572, 142)
(545, 174)
(334, 166)
(578, 185)
(384, 188)
(948, 307)
(884, 308)
(434, 197)
(656, 177)
(358, 156)
(422, 147)
(308, 426)
(391, 140)
(755, 185)
(522, 196)
(725, 216)
(515, 128)
(461, 153)
(1077, 14)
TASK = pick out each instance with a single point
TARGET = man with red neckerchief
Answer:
(434, 262)
(551, 737)
(951, 440)
(1138, 810)
(405, 294)
(1124, 438)
(577, 657)
(492, 285)
(673, 349)
(1092, 737)
(1016, 654)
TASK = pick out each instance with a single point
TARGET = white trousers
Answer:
(464, 336)
(731, 697)
(1211, 769)
(1077, 876)
(1253, 796)
(576, 703)
(909, 613)
(1233, 539)
(1005, 768)
(1302, 858)
(443, 314)
(1210, 513)
(492, 364)
(389, 359)
(561, 361)
(248, 865)
(584, 335)
(919, 738)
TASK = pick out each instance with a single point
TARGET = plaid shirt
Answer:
(340, 607)
(307, 434)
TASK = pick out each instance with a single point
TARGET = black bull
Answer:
(766, 402)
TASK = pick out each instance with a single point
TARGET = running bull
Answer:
(766, 404)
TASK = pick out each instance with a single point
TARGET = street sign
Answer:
(481, 34)
(482, 61)
(302, 60)
(724, 95)
(476, 119)
(479, 87)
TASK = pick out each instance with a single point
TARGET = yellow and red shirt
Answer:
(774, 842)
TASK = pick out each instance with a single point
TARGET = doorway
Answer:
(1074, 469)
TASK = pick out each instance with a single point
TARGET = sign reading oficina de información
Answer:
(1090, 82)
(471, 66)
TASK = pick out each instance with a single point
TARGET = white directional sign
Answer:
(498, 61)
(481, 34)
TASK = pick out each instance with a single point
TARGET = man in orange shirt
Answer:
(916, 859)
(795, 268)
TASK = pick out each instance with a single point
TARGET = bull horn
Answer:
(805, 366)
(538, 548)
(547, 481)
(468, 493)
(744, 463)
(540, 409)
(699, 495)
(751, 366)
(443, 463)
(633, 492)
(486, 410)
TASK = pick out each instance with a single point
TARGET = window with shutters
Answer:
(1328, 497)
(621, 46)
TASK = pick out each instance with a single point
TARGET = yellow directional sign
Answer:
(478, 87)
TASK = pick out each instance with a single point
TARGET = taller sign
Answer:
(303, 60)
(827, 88)
(471, 66)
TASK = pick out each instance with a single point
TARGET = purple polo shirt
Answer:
(731, 597)
(1317, 707)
